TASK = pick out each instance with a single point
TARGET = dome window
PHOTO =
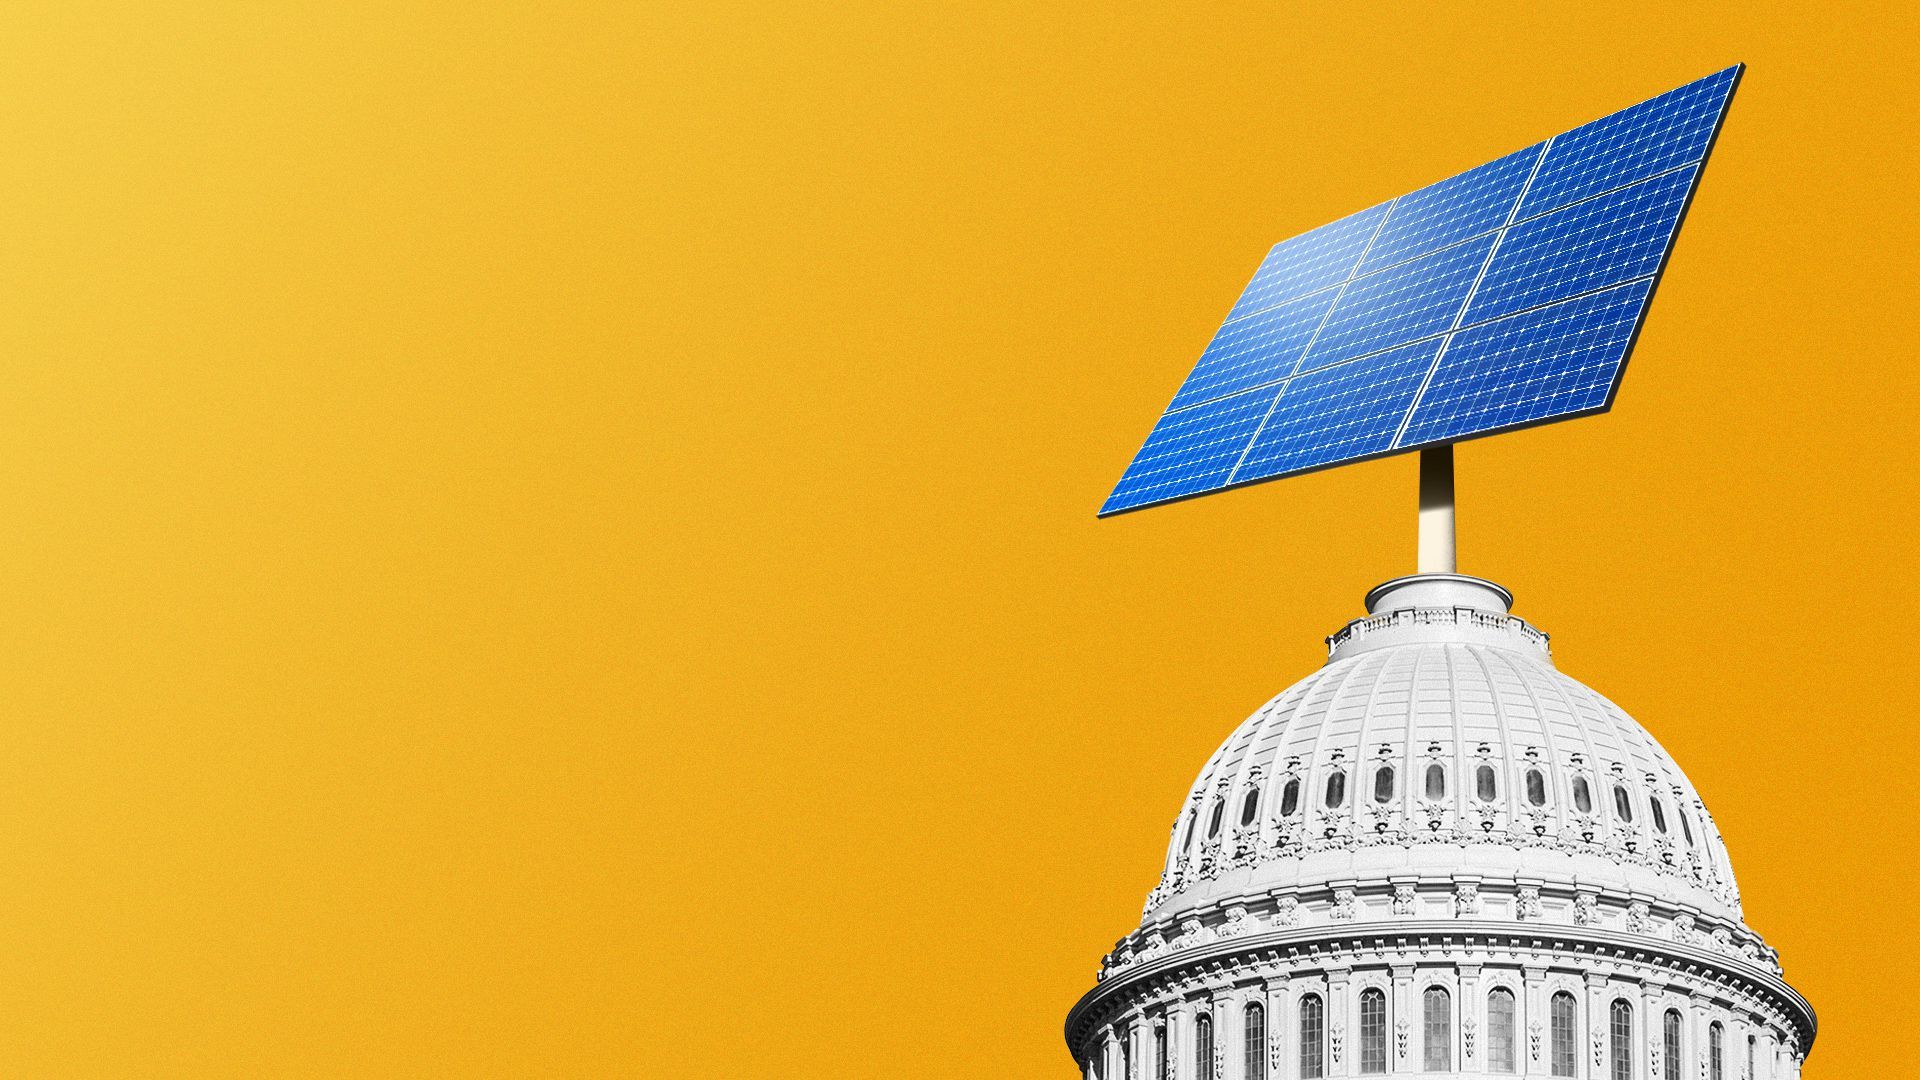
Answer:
(1373, 1032)
(1255, 1043)
(1536, 787)
(1290, 798)
(1563, 1058)
(1436, 781)
(1187, 838)
(1686, 828)
(1437, 1020)
(1622, 805)
(1250, 808)
(1203, 1047)
(1336, 790)
(1670, 1045)
(1620, 1028)
(1582, 795)
(1383, 784)
(1483, 786)
(1213, 823)
(1313, 1039)
(1500, 1030)
(1659, 813)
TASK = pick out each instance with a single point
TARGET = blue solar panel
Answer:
(1396, 306)
(1192, 450)
(1261, 348)
(1337, 413)
(1309, 262)
(1599, 242)
(1448, 212)
(1505, 296)
(1673, 129)
(1557, 360)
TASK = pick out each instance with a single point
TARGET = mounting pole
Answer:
(1436, 510)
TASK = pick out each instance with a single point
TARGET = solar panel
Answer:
(1506, 296)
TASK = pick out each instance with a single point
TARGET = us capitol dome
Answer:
(1440, 856)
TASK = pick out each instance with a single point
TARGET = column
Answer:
(1533, 1022)
(1470, 1009)
(1702, 1016)
(1599, 1028)
(1340, 1025)
(1404, 1027)
(1222, 1035)
(1277, 1037)
(1179, 1038)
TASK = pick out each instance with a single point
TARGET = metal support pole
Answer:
(1436, 510)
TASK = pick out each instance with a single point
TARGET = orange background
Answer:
(554, 540)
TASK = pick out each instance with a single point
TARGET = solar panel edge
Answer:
(1739, 70)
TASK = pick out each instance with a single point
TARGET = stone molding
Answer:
(1707, 977)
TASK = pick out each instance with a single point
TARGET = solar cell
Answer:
(1309, 262)
(1557, 360)
(1478, 200)
(1260, 348)
(1673, 129)
(1192, 450)
(1504, 296)
(1605, 240)
(1340, 412)
(1395, 306)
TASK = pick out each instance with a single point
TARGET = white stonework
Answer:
(1440, 821)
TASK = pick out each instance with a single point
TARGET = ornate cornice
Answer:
(1333, 947)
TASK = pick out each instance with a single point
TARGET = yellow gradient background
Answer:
(557, 540)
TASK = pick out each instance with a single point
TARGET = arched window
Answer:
(1753, 1043)
(1256, 1043)
(1162, 1060)
(1336, 790)
(1383, 784)
(1620, 1032)
(1203, 1047)
(1438, 1017)
(1313, 1037)
(1373, 1032)
(1186, 838)
(1686, 828)
(1483, 785)
(1500, 1055)
(1659, 813)
(1250, 808)
(1716, 1052)
(1582, 795)
(1436, 781)
(1670, 1045)
(1563, 1058)
(1213, 823)
(1536, 787)
(1622, 805)
(1290, 798)
(1125, 1036)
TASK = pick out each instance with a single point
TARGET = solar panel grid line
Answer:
(1467, 301)
(1609, 191)
(1310, 256)
(1597, 242)
(1357, 263)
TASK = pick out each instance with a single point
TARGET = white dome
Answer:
(1438, 832)
(1380, 765)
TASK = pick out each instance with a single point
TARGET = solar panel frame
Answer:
(1722, 83)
